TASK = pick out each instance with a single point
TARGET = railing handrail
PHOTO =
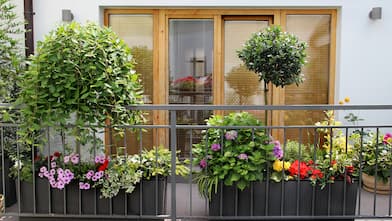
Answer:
(248, 107)
(257, 107)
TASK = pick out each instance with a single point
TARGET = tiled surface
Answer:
(199, 207)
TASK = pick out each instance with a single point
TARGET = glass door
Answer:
(190, 72)
(241, 86)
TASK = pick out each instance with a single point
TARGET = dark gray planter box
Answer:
(9, 184)
(88, 202)
(282, 199)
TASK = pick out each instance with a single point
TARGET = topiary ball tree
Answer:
(275, 56)
(83, 74)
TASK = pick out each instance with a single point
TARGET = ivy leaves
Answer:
(81, 75)
(275, 56)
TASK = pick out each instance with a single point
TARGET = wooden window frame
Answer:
(161, 18)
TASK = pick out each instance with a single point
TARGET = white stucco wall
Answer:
(363, 45)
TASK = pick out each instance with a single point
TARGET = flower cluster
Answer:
(94, 175)
(190, 83)
(58, 176)
(233, 156)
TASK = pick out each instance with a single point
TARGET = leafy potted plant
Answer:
(11, 67)
(81, 75)
(276, 57)
(233, 160)
(375, 160)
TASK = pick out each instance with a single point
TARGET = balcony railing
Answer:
(178, 197)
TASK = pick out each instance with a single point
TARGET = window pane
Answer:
(315, 30)
(190, 71)
(242, 87)
(137, 32)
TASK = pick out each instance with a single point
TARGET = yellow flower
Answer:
(287, 165)
(341, 102)
(277, 165)
(347, 99)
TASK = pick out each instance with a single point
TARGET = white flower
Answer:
(18, 164)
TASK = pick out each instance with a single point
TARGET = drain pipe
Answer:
(29, 27)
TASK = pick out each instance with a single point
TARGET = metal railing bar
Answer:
(191, 171)
(179, 107)
(173, 145)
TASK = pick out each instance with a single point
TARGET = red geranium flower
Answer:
(303, 169)
(104, 166)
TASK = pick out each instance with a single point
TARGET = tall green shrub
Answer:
(80, 74)
(11, 58)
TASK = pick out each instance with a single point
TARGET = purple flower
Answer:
(46, 174)
(86, 186)
(215, 147)
(243, 156)
(60, 171)
(231, 135)
(89, 174)
(60, 185)
(100, 159)
(66, 159)
(53, 164)
(99, 174)
(81, 185)
(278, 152)
(203, 163)
(43, 169)
(52, 183)
(75, 159)
(52, 172)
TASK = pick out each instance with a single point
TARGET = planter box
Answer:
(9, 183)
(71, 200)
(283, 200)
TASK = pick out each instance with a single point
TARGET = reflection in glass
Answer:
(315, 30)
(242, 87)
(137, 32)
(190, 71)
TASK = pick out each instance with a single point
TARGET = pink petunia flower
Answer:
(387, 138)
(215, 147)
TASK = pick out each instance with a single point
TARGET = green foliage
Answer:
(233, 156)
(275, 56)
(11, 58)
(82, 75)
(376, 159)
(157, 162)
(125, 171)
(293, 152)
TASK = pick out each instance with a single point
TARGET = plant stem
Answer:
(265, 103)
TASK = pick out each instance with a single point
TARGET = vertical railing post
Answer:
(173, 146)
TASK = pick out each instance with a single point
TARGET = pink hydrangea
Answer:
(215, 147)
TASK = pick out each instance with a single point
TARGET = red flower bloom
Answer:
(350, 169)
(303, 169)
(317, 173)
(56, 154)
(104, 166)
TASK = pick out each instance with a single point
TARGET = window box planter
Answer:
(9, 183)
(152, 201)
(282, 199)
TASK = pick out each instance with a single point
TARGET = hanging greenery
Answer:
(80, 74)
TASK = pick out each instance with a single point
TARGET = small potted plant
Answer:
(374, 157)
